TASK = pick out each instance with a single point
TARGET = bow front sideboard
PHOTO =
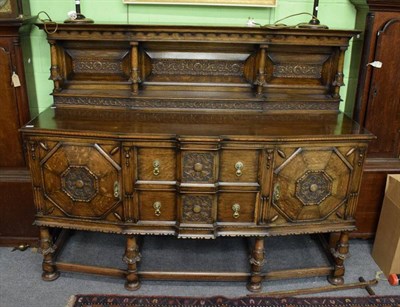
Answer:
(195, 132)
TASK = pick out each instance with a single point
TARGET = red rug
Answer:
(82, 300)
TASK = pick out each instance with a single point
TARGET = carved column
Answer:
(256, 262)
(260, 80)
(339, 254)
(131, 257)
(47, 248)
(338, 82)
(135, 68)
(55, 68)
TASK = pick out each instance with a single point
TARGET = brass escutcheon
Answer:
(236, 209)
(277, 192)
(239, 167)
(157, 208)
(156, 167)
(116, 189)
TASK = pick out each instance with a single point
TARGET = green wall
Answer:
(337, 14)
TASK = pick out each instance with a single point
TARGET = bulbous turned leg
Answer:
(131, 257)
(339, 255)
(47, 248)
(256, 263)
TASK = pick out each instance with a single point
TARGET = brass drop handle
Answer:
(236, 211)
(239, 168)
(157, 208)
(156, 167)
(116, 189)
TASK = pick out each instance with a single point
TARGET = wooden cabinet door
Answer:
(81, 179)
(311, 184)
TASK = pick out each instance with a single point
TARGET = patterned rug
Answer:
(148, 301)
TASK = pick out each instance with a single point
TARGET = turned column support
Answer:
(131, 257)
(256, 262)
(339, 255)
(48, 249)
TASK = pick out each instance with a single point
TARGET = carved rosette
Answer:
(197, 209)
(79, 183)
(313, 187)
(198, 167)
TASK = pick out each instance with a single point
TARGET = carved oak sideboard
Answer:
(195, 132)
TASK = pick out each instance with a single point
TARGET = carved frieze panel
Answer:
(197, 67)
(197, 209)
(294, 70)
(98, 65)
(198, 167)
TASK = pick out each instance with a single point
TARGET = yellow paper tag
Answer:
(15, 80)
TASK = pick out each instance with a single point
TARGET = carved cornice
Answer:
(198, 34)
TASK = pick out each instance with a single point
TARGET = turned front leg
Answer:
(256, 263)
(339, 255)
(131, 257)
(47, 248)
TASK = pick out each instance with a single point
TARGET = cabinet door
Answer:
(10, 142)
(81, 179)
(310, 184)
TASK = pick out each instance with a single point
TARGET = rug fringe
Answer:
(71, 301)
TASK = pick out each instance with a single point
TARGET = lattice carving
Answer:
(197, 209)
(198, 167)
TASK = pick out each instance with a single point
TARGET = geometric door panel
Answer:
(81, 180)
(311, 184)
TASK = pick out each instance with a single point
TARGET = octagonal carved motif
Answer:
(313, 187)
(79, 183)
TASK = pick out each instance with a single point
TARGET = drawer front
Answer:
(199, 167)
(198, 209)
(82, 179)
(311, 184)
(156, 164)
(157, 206)
(237, 207)
(239, 166)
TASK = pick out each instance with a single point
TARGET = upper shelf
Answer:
(197, 67)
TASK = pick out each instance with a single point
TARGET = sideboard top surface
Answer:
(171, 125)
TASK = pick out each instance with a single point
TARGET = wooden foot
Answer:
(256, 263)
(47, 248)
(339, 255)
(131, 257)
